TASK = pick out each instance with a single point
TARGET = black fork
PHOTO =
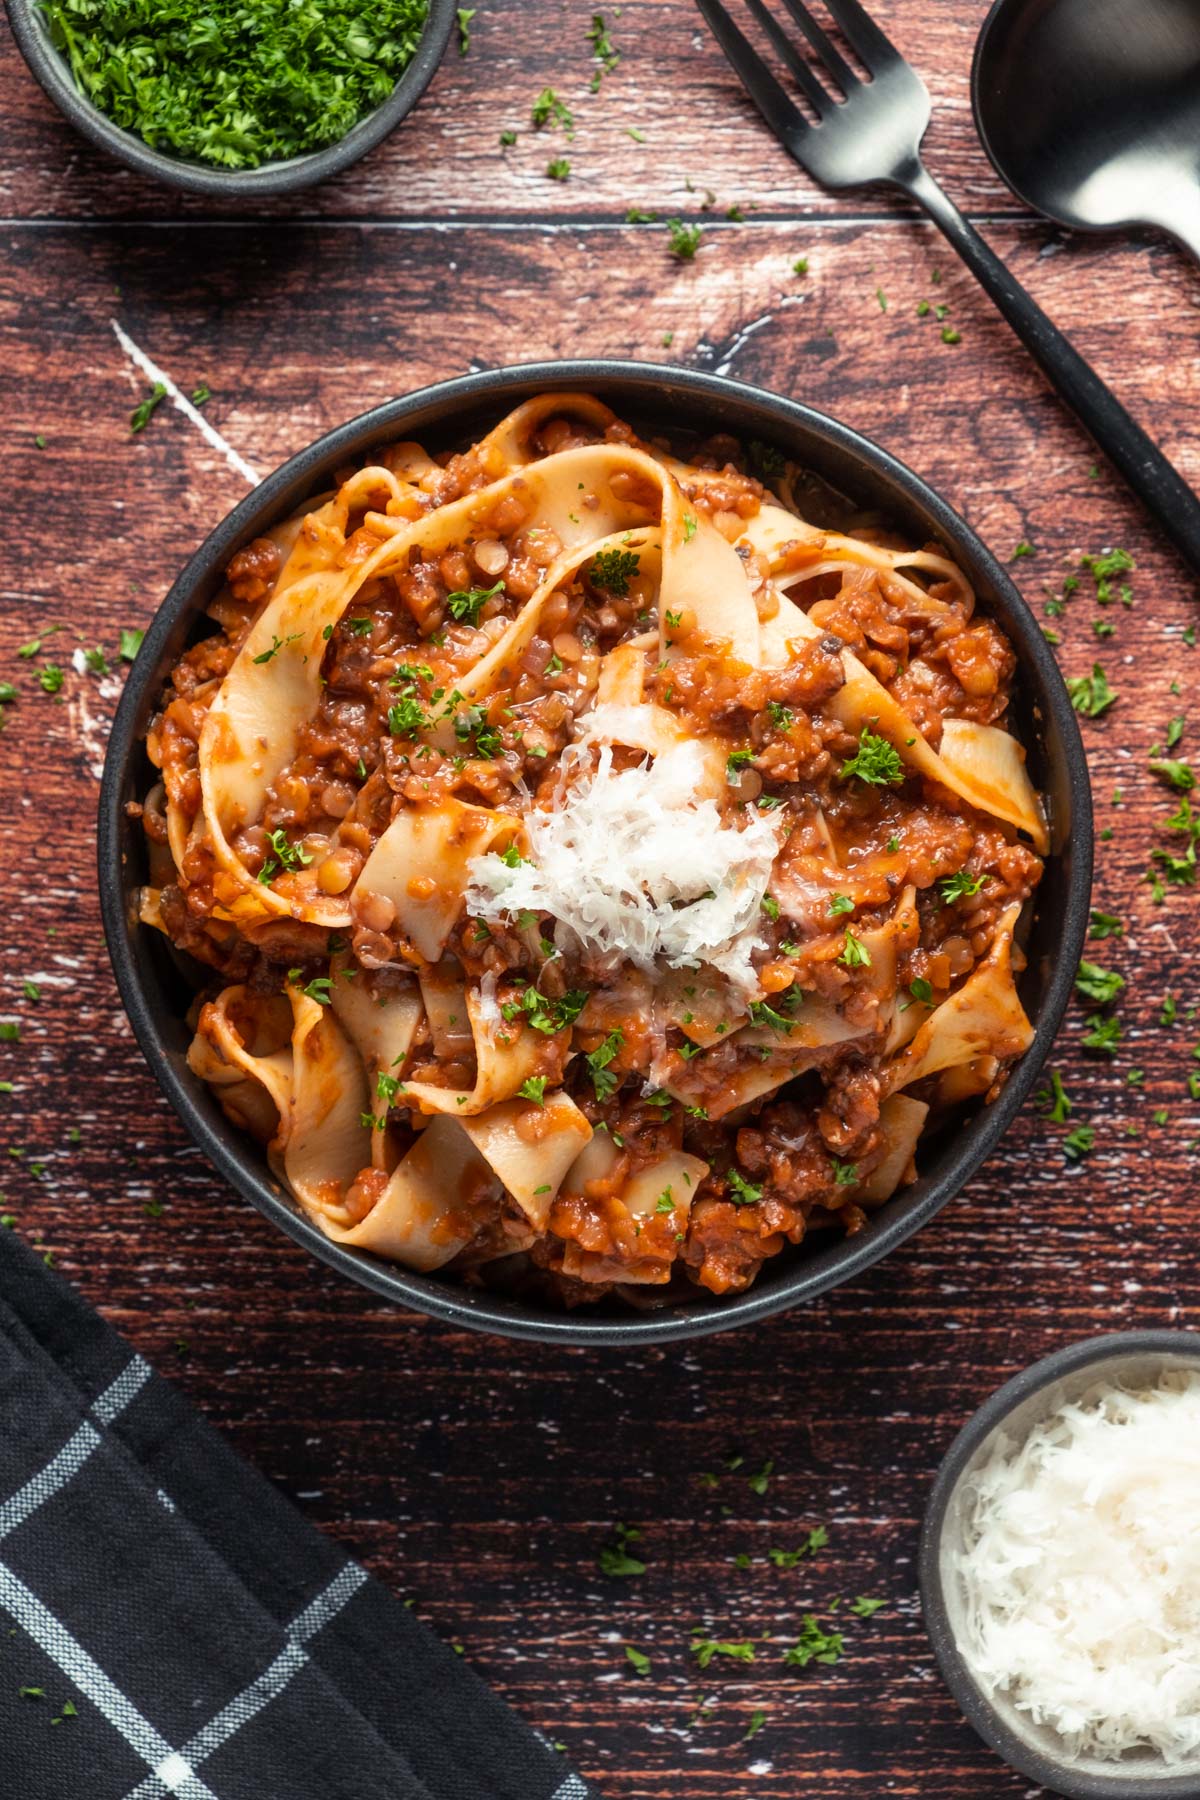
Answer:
(871, 131)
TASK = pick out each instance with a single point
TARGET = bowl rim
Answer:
(1114, 1347)
(53, 76)
(475, 1308)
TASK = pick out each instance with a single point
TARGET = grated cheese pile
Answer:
(630, 862)
(1081, 1571)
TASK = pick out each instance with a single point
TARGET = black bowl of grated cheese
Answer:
(1060, 1569)
(248, 101)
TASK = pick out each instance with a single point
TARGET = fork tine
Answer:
(806, 80)
(825, 48)
(862, 34)
(771, 100)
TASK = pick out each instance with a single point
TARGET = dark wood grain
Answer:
(478, 1475)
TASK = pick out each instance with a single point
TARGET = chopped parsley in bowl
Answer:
(239, 92)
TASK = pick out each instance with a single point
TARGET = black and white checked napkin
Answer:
(180, 1629)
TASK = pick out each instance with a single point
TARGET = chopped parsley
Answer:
(1024, 548)
(813, 1645)
(839, 904)
(816, 1540)
(320, 988)
(758, 1719)
(613, 570)
(1054, 1100)
(1098, 985)
(638, 1659)
(1103, 1037)
(684, 239)
(277, 644)
(130, 642)
(665, 1202)
(759, 1482)
(875, 761)
(1179, 775)
(1102, 568)
(468, 603)
(741, 1191)
(558, 168)
(705, 1648)
(1079, 1142)
(961, 886)
(142, 414)
(534, 1089)
(1105, 925)
(1091, 694)
(543, 1014)
(855, 954)
(407, 716)
(462, 18)
(602, 50)
(844, 1174)
(604, 1080)
(863, 1608)
(548, 109)
(614, 1558)
(51, 678)
(776, 1018)
(735, 762)
(284, 855)
(243, 82)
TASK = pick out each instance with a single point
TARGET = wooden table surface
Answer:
(481, 1476)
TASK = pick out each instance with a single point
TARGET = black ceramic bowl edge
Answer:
(53, 76)
(846, 459)
(1060, 1366)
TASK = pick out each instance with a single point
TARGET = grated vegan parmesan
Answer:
(631, 862)
(1080, 1571)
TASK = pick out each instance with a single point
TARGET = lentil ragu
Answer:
(604, 874)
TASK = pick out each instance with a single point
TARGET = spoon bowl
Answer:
(1090, 110)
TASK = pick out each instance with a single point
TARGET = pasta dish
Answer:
(604, 873)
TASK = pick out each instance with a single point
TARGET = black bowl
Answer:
(1019, 1406)
(660, 400)
(53, 74)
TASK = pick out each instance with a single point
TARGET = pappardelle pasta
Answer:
(606, 873)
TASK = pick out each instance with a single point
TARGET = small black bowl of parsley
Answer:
(231, 98)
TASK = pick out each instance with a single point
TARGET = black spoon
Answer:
(1090, 111)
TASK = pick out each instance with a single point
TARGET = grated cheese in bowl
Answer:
(1079, 1571)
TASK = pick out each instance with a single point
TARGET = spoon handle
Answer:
(1155, 481)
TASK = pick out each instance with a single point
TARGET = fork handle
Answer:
(1155, 481)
